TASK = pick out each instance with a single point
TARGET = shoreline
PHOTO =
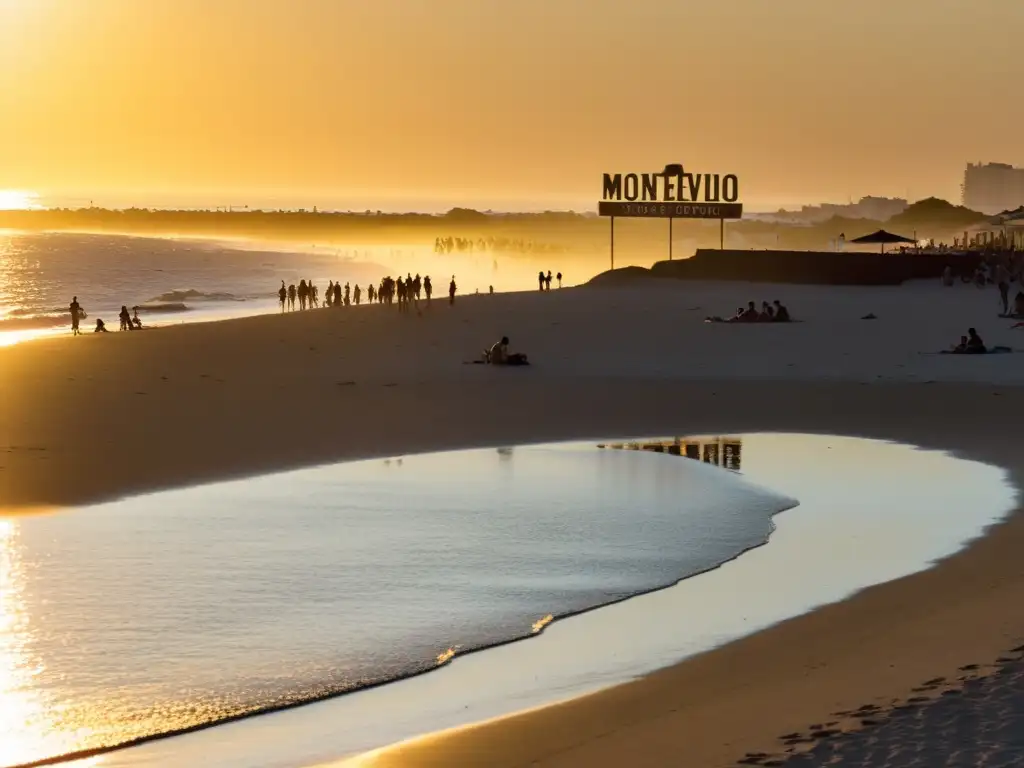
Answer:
(697, 706)
(71, 757)
(388, 385)
(577, 656)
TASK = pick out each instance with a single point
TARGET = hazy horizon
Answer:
(414, 105)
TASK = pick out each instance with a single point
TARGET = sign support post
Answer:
(670, 238)
(721, 234)
(613, 241)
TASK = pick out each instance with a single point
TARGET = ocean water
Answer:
(162, 612)
(176, 280)
(173, 280)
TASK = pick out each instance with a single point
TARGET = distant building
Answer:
(993, 187)
(874, 208)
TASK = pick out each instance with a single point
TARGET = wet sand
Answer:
(96, 417)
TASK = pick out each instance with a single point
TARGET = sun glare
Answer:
(17, 200)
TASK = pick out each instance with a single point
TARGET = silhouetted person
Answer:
(136, 320)
(559, 278)
(498, 354)
(356, 294)
(337, 294)
(100, 327)
(303, 294)
(767, 313)
(427, 287)
(282, 294)
(451, 291)
(76, 314)
(781, 313)
(1003, 282)
(329, 295)
(540, 280)
(126, 319)
(547, 281)
(975, 346)
(291, 297)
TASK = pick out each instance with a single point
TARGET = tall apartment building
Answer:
(993, 187)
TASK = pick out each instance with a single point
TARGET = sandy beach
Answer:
(97, 417)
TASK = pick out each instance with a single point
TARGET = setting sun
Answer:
(17, 200)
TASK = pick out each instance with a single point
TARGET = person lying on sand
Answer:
(498, 354)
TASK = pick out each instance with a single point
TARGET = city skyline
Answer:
(409, 105)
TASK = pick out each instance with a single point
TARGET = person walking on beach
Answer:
(540, 280)
(329, 296)
(427, 288)
(1003, 280)
(451, 292)
(282, 294)
(356, 294)
(76, 310)
(126, 319)
(547, 281)
(337, 294)
(291, 297)
(559, 277)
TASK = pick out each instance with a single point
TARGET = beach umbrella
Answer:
(882, 238)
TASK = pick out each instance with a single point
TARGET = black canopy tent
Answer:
(882, 238)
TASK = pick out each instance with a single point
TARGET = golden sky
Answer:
(378, 103)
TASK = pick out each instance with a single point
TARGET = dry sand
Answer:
(90, 418)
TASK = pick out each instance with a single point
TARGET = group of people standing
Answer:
(405, 291)
(129, 322)
(544, 281)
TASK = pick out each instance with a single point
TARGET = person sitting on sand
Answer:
(136, 320)
(748, 315)
(100, 327)
(767, 313)
(961, 348)
(498, 354)
(781, 313)
(975, 346)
